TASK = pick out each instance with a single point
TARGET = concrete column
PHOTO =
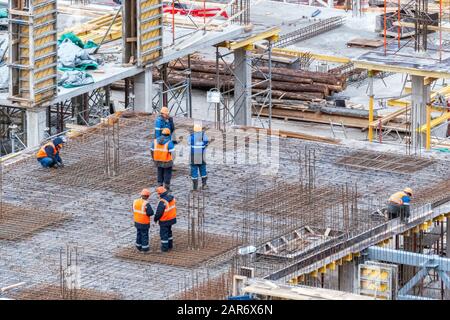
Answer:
(242, 88)
(36, 126)
(143, 91)
(347, 276)
(420, 96)
(447, 253)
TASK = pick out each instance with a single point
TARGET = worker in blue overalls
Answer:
(164, 120)
(198, 140)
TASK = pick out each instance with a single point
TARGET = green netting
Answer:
(3, 13)
(72, 37)
(447, 150)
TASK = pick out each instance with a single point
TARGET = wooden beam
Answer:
(399, 69)
(389, 117)
(429, 27)
(264, 35)
(316, 56)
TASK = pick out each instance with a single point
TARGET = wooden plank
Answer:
(365, 43)
(389, 117)
(316, 117)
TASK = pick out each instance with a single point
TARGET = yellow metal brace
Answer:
(331, 266)
(371, 102)
(269, 34)
(323, 269)
(348, 257)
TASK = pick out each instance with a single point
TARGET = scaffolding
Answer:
(32, 51)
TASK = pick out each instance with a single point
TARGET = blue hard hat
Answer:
(58, 141)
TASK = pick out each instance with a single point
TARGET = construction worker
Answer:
(398, 204)
(166, 216)
(161, 150)
(164, 120)
(48, 155)
(142, 211)
(198, 140)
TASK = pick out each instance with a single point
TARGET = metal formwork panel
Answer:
(149, 31)
(378, 280)
(33, 51)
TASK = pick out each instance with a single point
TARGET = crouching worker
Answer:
(48, 156)
(166, 215)
(142, 211)
(398, 205)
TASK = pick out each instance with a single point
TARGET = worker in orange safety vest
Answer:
(166, 216)
(48, 155)
(161, 150)
(142, 211)
(399, 204)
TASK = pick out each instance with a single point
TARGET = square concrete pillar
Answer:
(36, 126)
(242, 87)
(420, 96)
(347, 273)
(447, 253)
(143, 91)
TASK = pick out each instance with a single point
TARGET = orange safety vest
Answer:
(139, 212)
(397, 198)
(42, 154)
(161, 152)
(170, 212)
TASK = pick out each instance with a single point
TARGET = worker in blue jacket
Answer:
(48, 155)
(164, 120)
(166, 217)
(198, 140)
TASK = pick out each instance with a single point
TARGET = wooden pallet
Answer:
(365, 43)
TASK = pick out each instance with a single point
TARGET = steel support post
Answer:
(371, 101)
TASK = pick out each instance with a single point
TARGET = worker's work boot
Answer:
(204, 185)
(194, 184)
(167, 186)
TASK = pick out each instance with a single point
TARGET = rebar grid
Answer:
(101, 222)
(198, 287)
(196, 220)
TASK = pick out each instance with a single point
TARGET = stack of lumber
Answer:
(286, 83)
(96, 29)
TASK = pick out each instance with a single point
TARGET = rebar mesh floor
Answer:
(17, 222)
(181, 255)
(370, 160)
(242, 203)
(52, 292)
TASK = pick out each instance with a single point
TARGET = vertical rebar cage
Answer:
(32, 51)
(149, 31)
